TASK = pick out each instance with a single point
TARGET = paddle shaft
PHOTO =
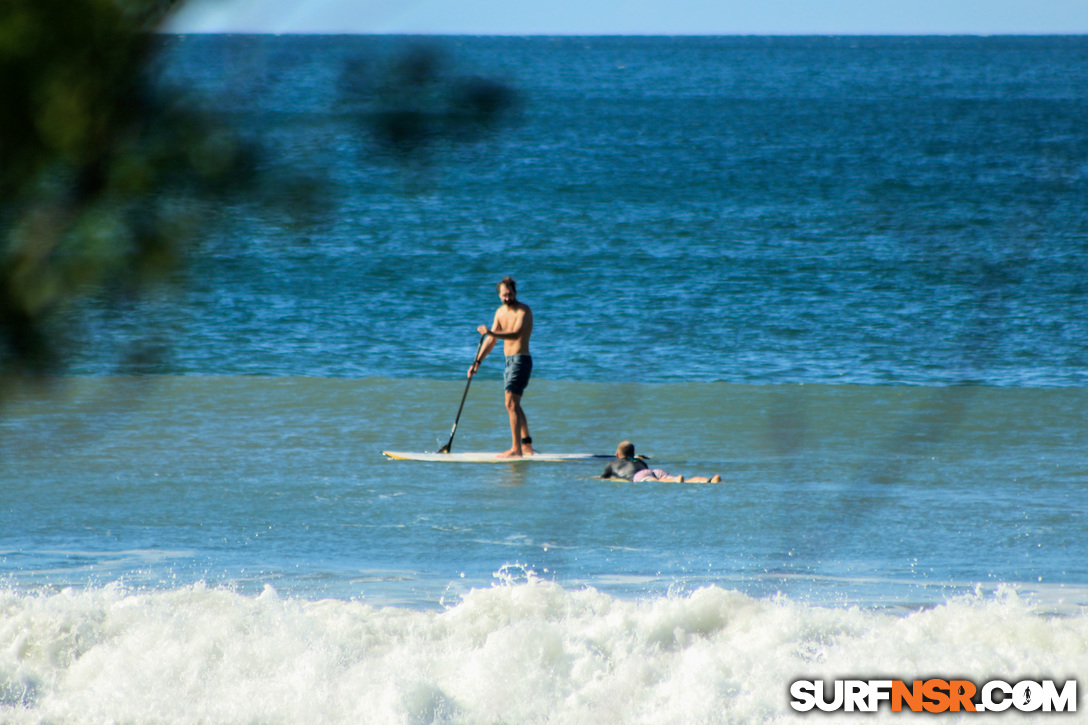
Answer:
(475, 361)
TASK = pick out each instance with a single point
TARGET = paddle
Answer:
(476, 359)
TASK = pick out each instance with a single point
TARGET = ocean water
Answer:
(847, 274)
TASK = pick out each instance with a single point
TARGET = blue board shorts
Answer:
(516, 376)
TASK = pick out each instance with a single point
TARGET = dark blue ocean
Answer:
(848, 274)
(751, 210)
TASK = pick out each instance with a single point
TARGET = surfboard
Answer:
(480, 457)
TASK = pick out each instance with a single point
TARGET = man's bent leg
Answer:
(518, 424)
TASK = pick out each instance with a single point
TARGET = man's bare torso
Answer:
(513, 317)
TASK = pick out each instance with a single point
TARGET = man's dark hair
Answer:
(510, 284)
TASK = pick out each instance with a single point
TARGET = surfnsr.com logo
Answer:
(934, 695)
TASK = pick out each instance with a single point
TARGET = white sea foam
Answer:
(522, 652)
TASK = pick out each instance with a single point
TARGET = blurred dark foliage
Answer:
(414, 99)
(102, 174)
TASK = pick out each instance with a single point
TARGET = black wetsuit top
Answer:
(623, 468)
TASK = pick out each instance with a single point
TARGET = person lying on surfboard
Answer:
(631, 468)
(513, 324)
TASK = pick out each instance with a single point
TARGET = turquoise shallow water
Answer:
(832, 494)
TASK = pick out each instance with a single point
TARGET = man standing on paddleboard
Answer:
(513, 325)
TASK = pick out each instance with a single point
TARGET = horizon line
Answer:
(638, 35)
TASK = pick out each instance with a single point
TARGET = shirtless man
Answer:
(513, 325)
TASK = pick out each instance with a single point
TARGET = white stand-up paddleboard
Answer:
(478, 457)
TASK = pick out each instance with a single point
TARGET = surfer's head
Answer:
(626, 449)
